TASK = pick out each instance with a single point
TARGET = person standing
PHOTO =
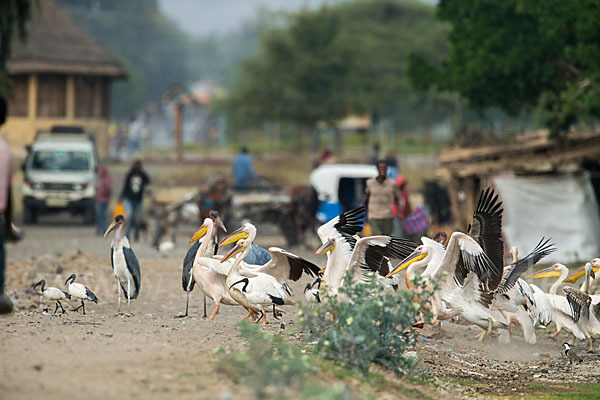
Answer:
(243, 173)
(103, 192)
(133, 194)
(380, 196)
(6, 227)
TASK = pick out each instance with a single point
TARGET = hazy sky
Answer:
(203, 17)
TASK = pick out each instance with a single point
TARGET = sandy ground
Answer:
(154, 354)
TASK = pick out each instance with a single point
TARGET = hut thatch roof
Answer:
(56, 44)
(535, 153)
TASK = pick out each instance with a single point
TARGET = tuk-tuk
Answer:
(340, 187)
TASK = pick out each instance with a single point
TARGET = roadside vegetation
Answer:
(354, 337)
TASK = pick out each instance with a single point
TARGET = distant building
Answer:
(60, 76)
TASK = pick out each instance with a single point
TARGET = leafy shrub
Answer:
(274, 368)
(366, 324)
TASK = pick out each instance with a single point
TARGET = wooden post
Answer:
(32, 97)
(177, 132)
(70, 98)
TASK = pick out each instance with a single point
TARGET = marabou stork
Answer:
(126, 266)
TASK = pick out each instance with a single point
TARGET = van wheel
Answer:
(29, 215)
(89, 216)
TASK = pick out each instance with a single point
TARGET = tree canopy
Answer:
(151, 48)
(346, 58)
(518, 54)
(14, 15)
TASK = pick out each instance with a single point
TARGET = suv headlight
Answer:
(37, 186)
(78, 187)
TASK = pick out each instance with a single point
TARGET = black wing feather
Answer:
(486, 227)
(376, 255)
(542, 249)
(188, 263)
(299, 266)
(133, 265)
(350, 223)
(579, 302)
(487, 272)
(112, 262)
(90, 295)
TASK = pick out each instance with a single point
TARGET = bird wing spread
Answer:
(579, 302)
(486, 226)
(465, 255)
(347, 224)
(516, 269)
(372, 254)
(288, 266)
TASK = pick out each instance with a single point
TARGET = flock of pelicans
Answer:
(465, 273)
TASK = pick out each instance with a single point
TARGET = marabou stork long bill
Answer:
(126, 266)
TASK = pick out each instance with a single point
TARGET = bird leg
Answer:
(56, 307)
(261, 315)
(118, 297)
(215, 311)
(77, 309)
(264, 316)
(488, 330)
(250, 314)
(275, 313)
(128, 296)
(187, 302)
(61, 307)
(555, 334)
(204, 315)
(591, 345)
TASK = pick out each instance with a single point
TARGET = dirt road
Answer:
(154, 354)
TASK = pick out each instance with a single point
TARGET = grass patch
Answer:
(583, 391)
(462, 382)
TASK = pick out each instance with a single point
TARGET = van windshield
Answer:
(60, 160)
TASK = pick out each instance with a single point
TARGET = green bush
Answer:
(274, 368)
(366, 324)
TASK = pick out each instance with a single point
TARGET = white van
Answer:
(60, 174)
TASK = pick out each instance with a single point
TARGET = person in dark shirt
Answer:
(133, 194)
(243, 173)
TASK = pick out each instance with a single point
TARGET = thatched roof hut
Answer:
(56, 44)
(59, 76)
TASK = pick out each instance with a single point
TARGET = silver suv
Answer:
(60, 174)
